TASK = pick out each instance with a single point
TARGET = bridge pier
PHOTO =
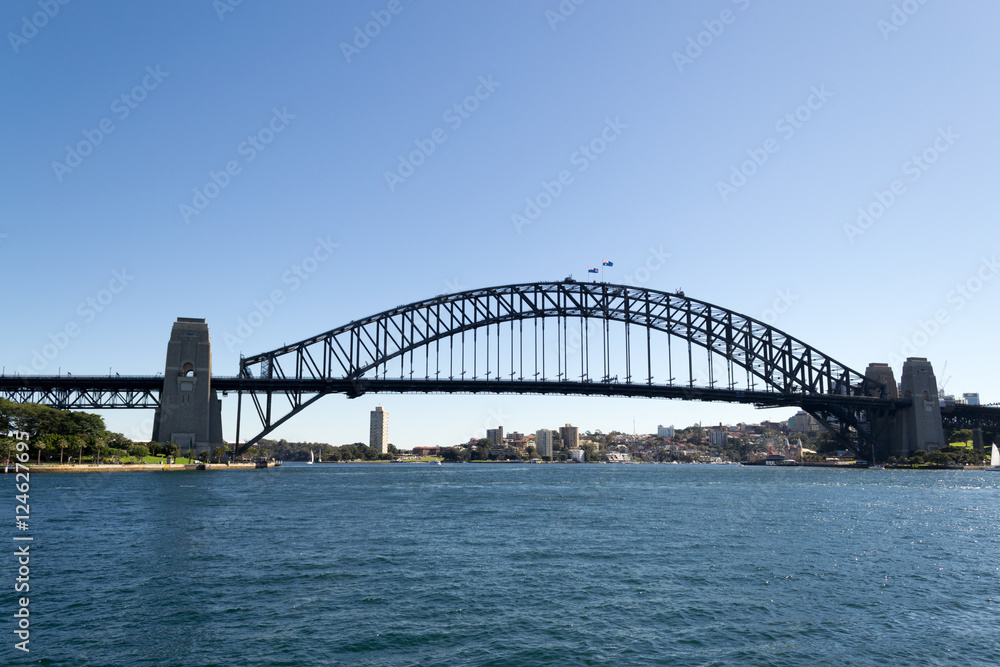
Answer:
(190, 412)
(917, 426)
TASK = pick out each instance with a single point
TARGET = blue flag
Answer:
(592, 270)
(608, 263)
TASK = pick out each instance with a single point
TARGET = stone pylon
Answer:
(190, 413)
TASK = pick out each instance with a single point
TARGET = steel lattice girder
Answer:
(84, 392)
(781, 361)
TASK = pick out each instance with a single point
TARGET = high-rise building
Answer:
(803, 422)
(495, 435)
(665, 431)
(378, 435)
(971, 398)
(570, 436)
(543, 442)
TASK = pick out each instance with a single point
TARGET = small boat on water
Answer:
(310, 461)
(995, 459)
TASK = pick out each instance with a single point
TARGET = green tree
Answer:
(961, 435)
(172, 449)
(62, 443)
(96, 444)
(139, 452)
(219, 453)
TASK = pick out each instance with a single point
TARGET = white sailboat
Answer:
(995, 459)
(310, 461)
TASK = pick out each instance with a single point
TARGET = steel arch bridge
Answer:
(564, 337)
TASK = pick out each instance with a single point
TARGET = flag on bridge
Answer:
(592, 270)
(607, 263)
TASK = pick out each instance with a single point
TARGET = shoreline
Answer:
(132, 467)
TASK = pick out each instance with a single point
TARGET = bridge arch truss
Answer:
(561, 337)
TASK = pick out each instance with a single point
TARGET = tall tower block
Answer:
(190, 413)
(378, 434)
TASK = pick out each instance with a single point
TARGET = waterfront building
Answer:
(378, 434)
(570, 436)
(495, 435)
(543, 442)
(665, 431)
(803, 422)
(971, 398)
(576, 455)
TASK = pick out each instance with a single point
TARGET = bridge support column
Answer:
(919, 426)
(883, 425)
(190, 412)
(977, 438)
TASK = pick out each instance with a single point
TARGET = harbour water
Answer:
(410, 564)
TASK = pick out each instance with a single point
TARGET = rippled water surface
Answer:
(411, 564)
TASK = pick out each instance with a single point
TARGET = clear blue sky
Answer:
(80, 203)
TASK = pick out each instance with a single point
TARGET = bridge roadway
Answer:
(101, 392)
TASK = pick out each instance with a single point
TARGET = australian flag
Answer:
(608, 263)
(592, 270)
